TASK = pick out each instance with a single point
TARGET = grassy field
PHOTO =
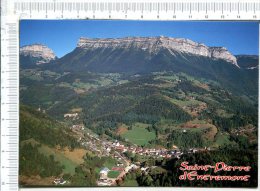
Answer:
(110, 163)
(139, 134)
(190, 102)
(113, 174)
(58, 156)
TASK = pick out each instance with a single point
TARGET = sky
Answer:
(62, 35)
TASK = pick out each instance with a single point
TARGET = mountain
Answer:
(248, 61)
(164, 101)
(154, 44)
(143, 55)
(148, 93)
(36, 54)
(140, 55)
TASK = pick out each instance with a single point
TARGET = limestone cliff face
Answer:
(39, 51)
(154, 44)
(223, 53)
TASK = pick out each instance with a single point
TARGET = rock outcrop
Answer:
(42, 53)
(154, 44)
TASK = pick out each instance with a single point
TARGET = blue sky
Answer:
(62, 35)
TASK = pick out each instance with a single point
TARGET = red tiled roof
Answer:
(117, 169)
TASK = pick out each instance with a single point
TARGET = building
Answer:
(77, 127)
(117, 169)
(59, 181)
(103, 173)
(71, 115)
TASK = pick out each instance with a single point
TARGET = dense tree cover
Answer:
(243, 107)
(186, 139)
(234, 104)
(227, 124)
(46, 95)
(157, 106)
(143, 100)
(83, 177)
(32, 163)
(140, 101)
(131, 103)
(242, 113)
(243, 142)
(240, 110)
(131, 117)
(39, 126)
(129, 180)
(109, 105)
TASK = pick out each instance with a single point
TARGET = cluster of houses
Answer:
(107, 146)
(157, 153)
(115, 149)
(104, 147)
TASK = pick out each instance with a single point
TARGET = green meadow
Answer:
(139, 135)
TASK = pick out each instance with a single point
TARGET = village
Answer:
(117, 150)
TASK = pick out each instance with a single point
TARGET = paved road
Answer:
(126, 161)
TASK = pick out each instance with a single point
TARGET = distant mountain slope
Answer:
(143, 55)
(157, 54)
(166, 101)
(248, 61)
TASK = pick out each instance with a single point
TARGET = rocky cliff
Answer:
(41, 53)
(155, 44)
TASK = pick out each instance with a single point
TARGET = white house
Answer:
(103, 173)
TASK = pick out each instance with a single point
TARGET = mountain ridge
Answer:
(154, 44)
(155, 54)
